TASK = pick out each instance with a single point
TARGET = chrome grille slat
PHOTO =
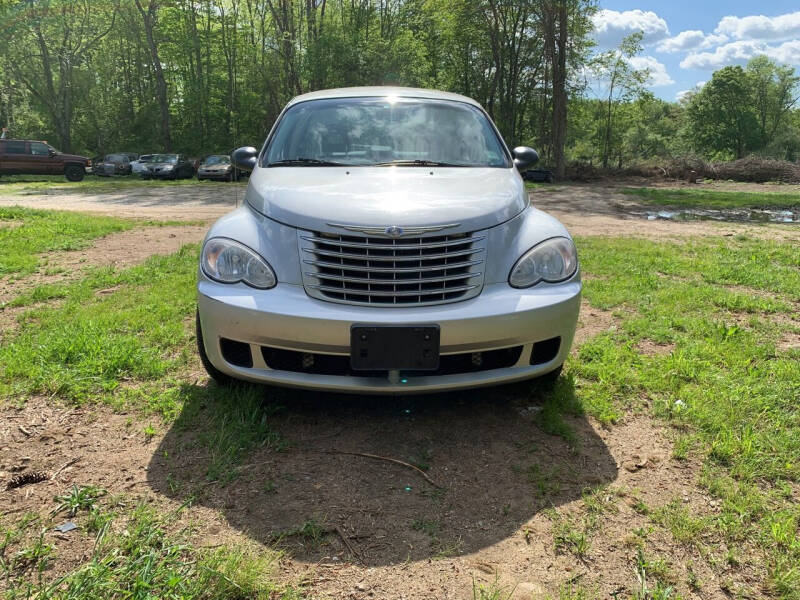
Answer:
(325, 288)
(398, 245)
(371, 270)
(460, 265)
(396, 257)
(394, 281)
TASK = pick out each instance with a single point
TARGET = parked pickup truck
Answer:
(32, 157)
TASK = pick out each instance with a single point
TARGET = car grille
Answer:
(378, 271)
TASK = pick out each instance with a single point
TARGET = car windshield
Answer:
(146, 158)
(117, 158)
(385, 131)
(217, 160)
(164, 158)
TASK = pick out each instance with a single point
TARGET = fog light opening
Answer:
(236, 353)
(545, 351)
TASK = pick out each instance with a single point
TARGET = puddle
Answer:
(737, 215)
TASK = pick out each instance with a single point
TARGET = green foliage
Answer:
(743, 110)
(721, 114)
(228, 68)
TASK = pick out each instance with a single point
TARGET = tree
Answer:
(721, 115)
(623, 84)
(47, 50)
(774, 93)
(149, 17)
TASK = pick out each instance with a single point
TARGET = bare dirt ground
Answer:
(179, 203)
(383, 530)
(586, 209)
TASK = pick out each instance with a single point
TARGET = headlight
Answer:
(227, 261)
(553, 260)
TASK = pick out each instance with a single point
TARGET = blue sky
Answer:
(685, 41)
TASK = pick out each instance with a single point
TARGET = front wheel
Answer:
(215, 374)
(74, 173)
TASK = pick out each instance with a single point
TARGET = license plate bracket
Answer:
(394, 347)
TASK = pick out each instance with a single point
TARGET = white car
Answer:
(386, 244)
(139, 165)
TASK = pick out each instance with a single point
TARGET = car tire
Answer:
(74, 173)
(213, 372)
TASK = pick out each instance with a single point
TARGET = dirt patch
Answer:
(503, 487)
(118, 250)
(180, 203)
(602, 209)
(789, 341)
(651, 348)
(593, 321)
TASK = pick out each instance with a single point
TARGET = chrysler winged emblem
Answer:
(393, 231)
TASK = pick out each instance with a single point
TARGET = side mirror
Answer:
(245, 158)
(51, 152)
(524, 157)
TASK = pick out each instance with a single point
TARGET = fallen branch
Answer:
(69, 463)
(347, 543)
(391, 460)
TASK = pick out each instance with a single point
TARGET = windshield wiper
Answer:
(307, 162)
(416, 163)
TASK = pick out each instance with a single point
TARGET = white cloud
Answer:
(759, 27)
(658, 72)
(692, 39)
(740, 52)
(611, 26)
(682, 94)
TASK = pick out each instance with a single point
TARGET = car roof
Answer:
(372, 91)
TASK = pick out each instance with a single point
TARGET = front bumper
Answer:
(286, 318)
(158, 174)
(201, 174)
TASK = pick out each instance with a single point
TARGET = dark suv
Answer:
(32, 157)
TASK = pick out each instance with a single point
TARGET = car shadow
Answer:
(304, 480)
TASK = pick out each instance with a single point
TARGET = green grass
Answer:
(39, 184)
(726, 383)
(720, 306)
(27, 233)
(699, 198)
(135, 553)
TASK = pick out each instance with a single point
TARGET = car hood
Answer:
(215, 167)
(320, 198)
(160, 165)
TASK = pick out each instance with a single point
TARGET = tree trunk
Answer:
(148, 18)
(560, 92)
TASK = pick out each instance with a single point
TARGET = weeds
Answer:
(491, 591)
(78, 498)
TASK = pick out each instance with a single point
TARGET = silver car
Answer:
(139, 165)
(386, 245)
